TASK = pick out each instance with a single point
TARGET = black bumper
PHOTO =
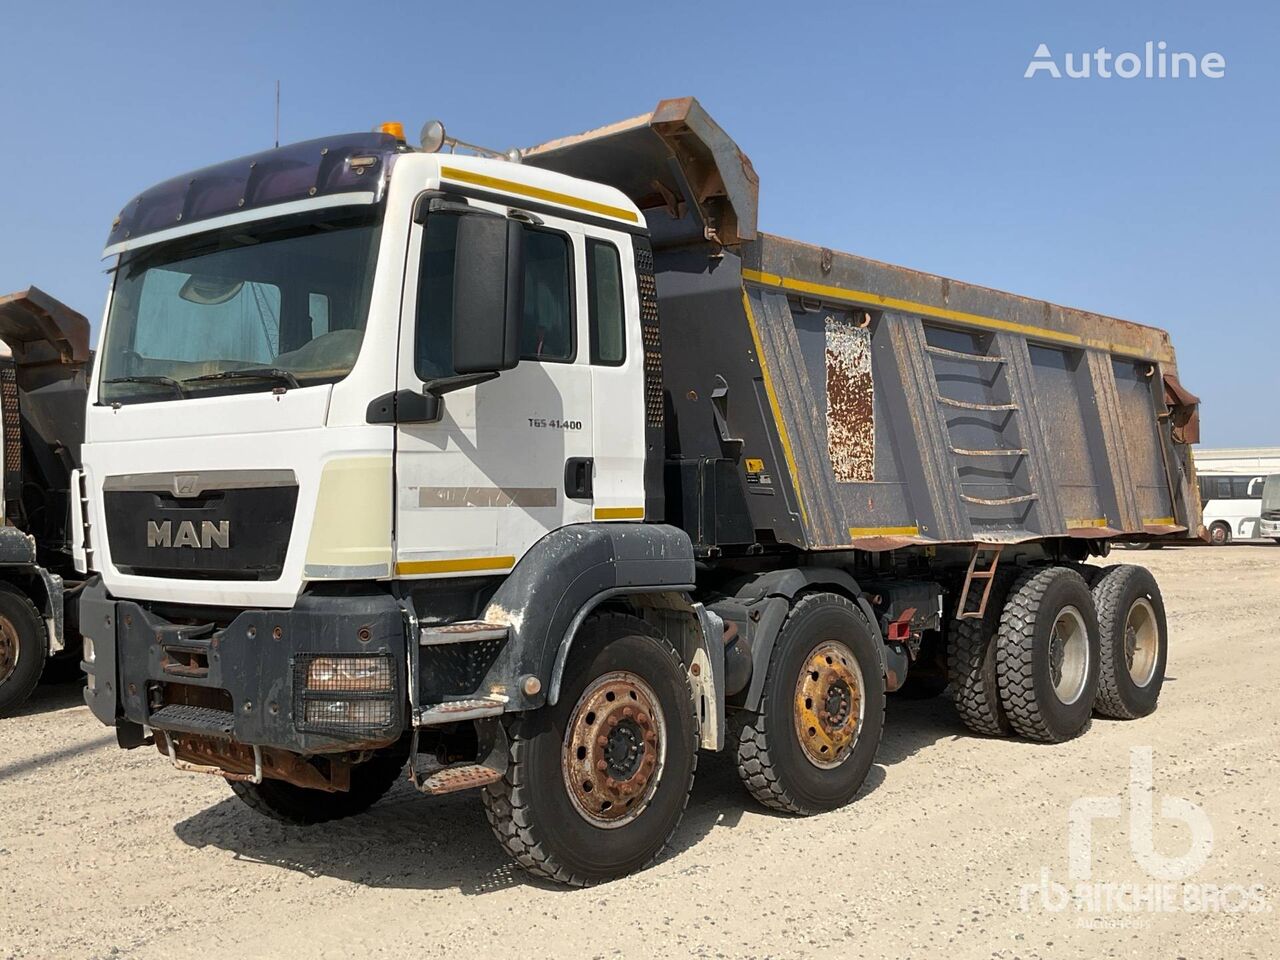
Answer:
(255, 666)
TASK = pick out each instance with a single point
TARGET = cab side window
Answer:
(605, 305)
(546, 330)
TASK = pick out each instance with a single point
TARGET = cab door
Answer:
(510, 459)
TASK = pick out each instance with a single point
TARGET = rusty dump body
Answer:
(824, 401)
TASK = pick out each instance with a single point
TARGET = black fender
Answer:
(563, 577)
(769, 598)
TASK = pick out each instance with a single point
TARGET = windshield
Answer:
(1271, 494)
(277, 303)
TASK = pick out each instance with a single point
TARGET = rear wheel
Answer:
(596, 785)
(1133, 642)
(304, 806)
(1047, 655)
(971, 665)
(23, 648)
(822, 712)
(1219, 534)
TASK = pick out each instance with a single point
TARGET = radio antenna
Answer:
(277, 113)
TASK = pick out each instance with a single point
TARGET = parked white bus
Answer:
(1270, 525)
(1232, 506)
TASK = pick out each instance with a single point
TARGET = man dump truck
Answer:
(541, 474)
(44, 369)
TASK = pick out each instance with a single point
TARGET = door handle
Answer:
(577, 477)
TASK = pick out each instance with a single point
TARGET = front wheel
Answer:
(813, 741)
(596, 785)
(1219, 534)
(305, 806)
(23, 648)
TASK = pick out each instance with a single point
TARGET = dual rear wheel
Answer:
(1061, 644)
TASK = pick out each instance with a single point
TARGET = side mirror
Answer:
(488, 293)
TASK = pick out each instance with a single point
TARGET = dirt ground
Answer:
(957, 846)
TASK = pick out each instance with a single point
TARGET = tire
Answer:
(579, 837)
(1219, 534)
(1039, 705)
(780, 770)
(971, 666)
(922, 686)
(306, 806)
(1130, 608)
(1090, 573)
(24, 646)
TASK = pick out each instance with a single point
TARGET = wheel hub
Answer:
(828, 704)
(614, 749)
(1068, 655)
(9, 649)
(1141, 641)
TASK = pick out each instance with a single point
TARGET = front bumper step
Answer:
(464, 631)
(452, 711)
(188, 719)
(434, 779)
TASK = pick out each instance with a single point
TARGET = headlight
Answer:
(350, 674)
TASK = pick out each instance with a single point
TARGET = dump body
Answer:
(827, 401)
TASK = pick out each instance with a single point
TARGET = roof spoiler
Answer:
(41, 329)
(676, 164)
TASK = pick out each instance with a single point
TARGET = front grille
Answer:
(221, 534)
(345, 694)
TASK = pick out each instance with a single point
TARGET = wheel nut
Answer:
(601, 766)
(602, 740)
(628, 712)
(613, 721)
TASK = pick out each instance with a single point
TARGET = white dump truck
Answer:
(541, 472)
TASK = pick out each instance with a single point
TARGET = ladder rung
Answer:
(999, 501)
(967, 405)
(961, 355)
(990, 453)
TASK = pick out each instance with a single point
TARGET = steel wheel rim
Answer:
(829, 704)
(1068, 655)
(1141, 642)
(615, 748)
(10, 649)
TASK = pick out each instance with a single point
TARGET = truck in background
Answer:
(539, 475)
(44, 370)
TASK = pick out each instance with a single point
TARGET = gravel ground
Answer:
(105, 853)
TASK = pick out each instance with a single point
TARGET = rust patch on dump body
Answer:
(851, 427)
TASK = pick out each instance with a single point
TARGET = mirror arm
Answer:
(439, 386)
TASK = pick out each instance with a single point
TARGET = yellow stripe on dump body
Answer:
(538, 193)
(942, 313)
(883, 531)
(619, 513)
(773, 405)
(1087, 522)
(459, 565)
(1159, 522)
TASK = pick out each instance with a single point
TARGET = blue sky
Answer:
(900, 131)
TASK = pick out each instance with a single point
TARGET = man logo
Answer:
(162, 534)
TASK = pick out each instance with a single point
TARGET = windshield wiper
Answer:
(250, 373)
(158, 381)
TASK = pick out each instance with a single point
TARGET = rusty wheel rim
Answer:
(614, 749)
(9, 649)
(829, 704)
